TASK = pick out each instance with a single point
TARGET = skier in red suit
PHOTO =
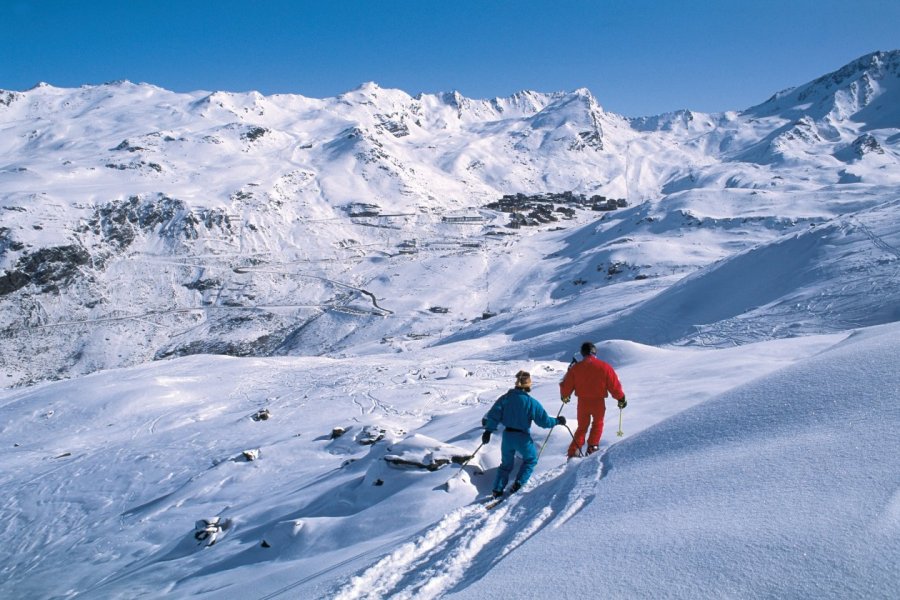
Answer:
(591, 380)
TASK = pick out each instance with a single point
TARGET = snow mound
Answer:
(456, 373)
(620, 353)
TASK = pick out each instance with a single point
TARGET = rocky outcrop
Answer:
(48, 268)
(119, 222)
(7, 98)
(866, 144)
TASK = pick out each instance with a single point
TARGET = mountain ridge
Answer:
(252, 224)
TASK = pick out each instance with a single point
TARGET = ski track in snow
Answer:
(468, 542)
(877, 240)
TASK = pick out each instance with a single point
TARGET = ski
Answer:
(493, 502)
(489, 502)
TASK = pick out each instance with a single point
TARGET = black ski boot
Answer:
(592, 449)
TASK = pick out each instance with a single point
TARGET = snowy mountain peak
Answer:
(581, 97)
(873, 79)
(368, 87)
(875, 65)
(526, 102)
(368, 92)
(583, 92)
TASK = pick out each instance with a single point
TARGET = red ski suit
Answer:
(592, 380)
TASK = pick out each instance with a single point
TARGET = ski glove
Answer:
(486, 437)
(623, 403)
(560, 420)
(565, 399)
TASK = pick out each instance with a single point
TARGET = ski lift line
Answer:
(377, 226)
(196, 256)
(182, 264)
(301, 261)
(389, 215)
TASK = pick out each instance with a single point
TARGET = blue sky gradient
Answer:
(638, 57)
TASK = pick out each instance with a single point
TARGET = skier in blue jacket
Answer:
(516, 409)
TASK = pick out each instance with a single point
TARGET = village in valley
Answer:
(537, 209)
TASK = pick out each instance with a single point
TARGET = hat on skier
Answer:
(588, 348)
(523, 381)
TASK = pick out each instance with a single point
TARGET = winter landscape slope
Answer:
(249, 225)
(784, 487)
(381, 264)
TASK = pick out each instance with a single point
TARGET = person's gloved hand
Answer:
(623, 403)
(565, 399)
(486, 437)
(560, 420)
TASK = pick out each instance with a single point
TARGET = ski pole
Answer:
(461, 465)
(547, 439)
(580, 453)
(620, 433)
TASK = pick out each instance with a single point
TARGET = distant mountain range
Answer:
(137, 223)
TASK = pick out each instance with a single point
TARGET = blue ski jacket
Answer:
(516, 409)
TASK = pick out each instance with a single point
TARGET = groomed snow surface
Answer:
(763, 471)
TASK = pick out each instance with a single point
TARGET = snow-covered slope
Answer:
(138, 223)
(111, 471)
(285, 317)
(785, 487)
(777, 457)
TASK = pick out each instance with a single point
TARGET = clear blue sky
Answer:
(638, 57)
